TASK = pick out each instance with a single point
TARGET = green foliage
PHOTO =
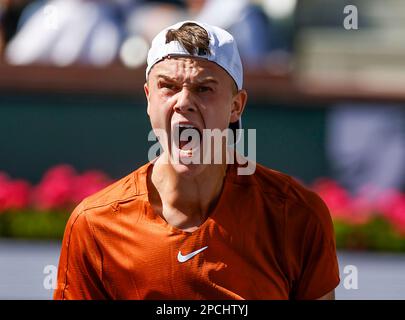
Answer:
(377, 234)
(33, 225)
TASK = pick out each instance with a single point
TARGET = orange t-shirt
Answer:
(267, 238)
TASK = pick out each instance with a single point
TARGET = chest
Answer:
(213, 263)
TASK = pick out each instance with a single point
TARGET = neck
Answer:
(193, 197)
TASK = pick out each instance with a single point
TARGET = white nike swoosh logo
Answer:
(182, 258)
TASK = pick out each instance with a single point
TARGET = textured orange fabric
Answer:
(268, 238)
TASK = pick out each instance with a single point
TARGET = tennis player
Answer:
(178, 230)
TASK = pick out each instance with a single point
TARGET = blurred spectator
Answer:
(366, 147)
(246, 21)
(148, 17)
(10, 12)
(63, 32)
(142, 22)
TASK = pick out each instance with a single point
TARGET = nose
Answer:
(185, 102)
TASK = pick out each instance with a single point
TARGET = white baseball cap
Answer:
(222, 50)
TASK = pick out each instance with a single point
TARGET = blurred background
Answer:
(326, 86)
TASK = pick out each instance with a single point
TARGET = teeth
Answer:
(186, 126)
(187, 153)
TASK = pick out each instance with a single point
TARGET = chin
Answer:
(188, 170)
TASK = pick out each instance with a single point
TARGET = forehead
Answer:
(187, 68)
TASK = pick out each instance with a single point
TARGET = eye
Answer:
(168, 86)
(202, 89)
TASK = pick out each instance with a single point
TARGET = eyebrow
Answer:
(198, 82)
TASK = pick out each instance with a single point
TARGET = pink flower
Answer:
(19, 196)
(363, 205)
(62, 188)
(341, 204)
(4, 183)
(88, 183)
(392, 205)
(336, 198)
(14, 194)
(56, 188)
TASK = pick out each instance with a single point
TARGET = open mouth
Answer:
(187, 138)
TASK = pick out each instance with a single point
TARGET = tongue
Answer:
(190, 143)
(182, 145)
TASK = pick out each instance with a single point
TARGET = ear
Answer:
(146, 90)
(238, 105)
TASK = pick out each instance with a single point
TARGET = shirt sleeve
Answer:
(311, 249)
(80, 268)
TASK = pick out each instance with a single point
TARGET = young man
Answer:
(173, 230)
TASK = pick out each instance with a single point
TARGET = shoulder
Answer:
(107, 200)
(305, 213)
(274, 182)
(124, 189)
(300, 202)
(303, 204)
